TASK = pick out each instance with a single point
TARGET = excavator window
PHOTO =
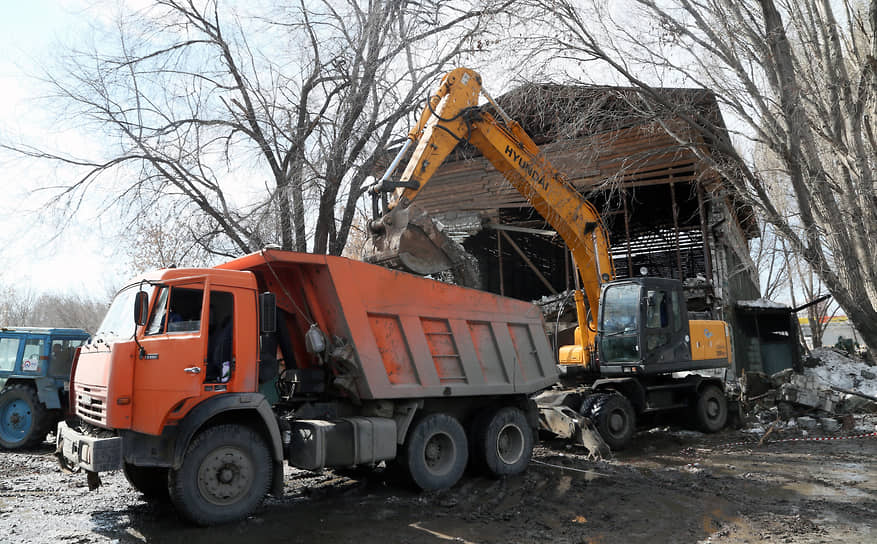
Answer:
(619, 329)
(657, 316)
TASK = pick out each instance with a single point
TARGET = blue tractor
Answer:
(34, 380)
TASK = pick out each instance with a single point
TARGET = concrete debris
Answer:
(808, 423)
(829, 425)
(823, 398)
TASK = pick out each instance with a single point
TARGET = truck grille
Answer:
(91, 404)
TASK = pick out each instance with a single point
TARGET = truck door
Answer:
(173, 369)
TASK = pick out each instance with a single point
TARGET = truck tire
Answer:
(436, 452)
(152, 482)
(225, 474)
(503, 442)
(711, 409)
(614, 419)
(24, 420)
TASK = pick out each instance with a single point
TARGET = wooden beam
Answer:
(528, 261)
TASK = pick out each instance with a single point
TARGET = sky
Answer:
(36, 258)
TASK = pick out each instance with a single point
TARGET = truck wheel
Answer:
(711, 411)
(225, 474)
(503, 442)
(436, 452)
(152, 482)
(24, 420)
(614, 419)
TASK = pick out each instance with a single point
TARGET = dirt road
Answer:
(671, 486)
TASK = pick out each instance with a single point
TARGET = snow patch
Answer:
(761, 303)
(841, 371)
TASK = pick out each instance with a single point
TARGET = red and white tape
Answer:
(805, 439)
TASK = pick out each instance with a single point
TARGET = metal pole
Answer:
(676, 230)
(499, 257)
(705, 234)
(627, 233)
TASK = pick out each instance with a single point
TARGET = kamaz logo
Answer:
(535, 175)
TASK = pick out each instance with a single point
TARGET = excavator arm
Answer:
(453, 116)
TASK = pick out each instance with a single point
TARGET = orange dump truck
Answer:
(200, 383)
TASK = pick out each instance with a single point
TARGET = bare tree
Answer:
(255, 127)
(799, 76)
(24, 308)
(771, 263)
(69, 310)
(17, 306)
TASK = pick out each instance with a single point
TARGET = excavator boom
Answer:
(406, 237)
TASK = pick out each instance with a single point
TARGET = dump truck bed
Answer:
(408, 336)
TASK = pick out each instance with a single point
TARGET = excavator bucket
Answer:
(408, 239)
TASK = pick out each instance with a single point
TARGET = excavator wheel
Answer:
(614, 418)
(711, 409)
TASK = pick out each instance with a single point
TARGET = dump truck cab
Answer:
(191, 319)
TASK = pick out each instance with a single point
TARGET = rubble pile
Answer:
(824, 397)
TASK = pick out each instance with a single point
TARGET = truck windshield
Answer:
(119, 321)
(619, 326)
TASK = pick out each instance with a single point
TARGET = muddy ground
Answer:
(670, 486)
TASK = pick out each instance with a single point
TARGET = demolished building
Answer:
(642, 165)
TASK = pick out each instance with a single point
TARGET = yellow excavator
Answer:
(633, 336)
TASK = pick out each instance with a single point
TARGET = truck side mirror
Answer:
(141, 308)
(267, 313)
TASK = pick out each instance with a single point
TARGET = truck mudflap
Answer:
(90, 453)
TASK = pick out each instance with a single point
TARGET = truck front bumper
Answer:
(77, 450)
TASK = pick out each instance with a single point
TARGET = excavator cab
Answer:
(644, 329)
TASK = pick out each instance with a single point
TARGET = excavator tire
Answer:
(614, 418)
(588, 404)
(711, 409)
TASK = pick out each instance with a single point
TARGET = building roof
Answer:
(600, 137)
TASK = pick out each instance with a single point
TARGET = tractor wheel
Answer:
(614, 419)
(24, 420)
(436, 452)
(225, 474)
(711, 410)
(150, 481)
(503, 442)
